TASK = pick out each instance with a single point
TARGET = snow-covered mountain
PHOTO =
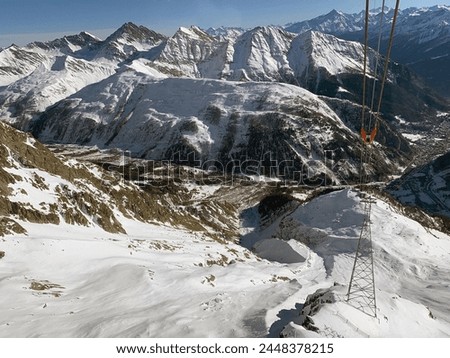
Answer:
(16, 62)
(318, 62)
(212, 120)
(422, 37)
(40, 74)
(68, 45)
(51, 81)
(182, 54)
(126, 41)
(108, 230)
(335, 22)
(412, 21)
(120, 45)
(226, 32)
(261, 54)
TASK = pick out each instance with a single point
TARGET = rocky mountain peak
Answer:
(126, 41)
(334, 13)
(268, 38)
(192, 33)
(130, 32)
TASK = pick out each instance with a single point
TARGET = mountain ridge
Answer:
(422, 37)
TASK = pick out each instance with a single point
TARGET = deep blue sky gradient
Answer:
(22, 21)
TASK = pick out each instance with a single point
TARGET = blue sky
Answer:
(23, 21)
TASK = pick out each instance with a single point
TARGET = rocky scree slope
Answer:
(37, 186)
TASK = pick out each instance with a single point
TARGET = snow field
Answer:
(411, 269)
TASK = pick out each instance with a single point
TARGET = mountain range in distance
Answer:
(422, 37)
(53, 86)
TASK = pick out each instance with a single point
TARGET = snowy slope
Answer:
(155, 282)
(314, 55)
(70, 280)
(182, 53)
(16, 63)
(261, 55)
(48, 84)
(411, 269)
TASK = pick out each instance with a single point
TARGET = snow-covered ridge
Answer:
(177, 118)
(49, 83)
(335, 22)
(226, 32)
(412, 20)
(16, 62)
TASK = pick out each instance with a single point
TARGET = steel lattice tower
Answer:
(361, 290)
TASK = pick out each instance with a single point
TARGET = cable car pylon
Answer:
(361, 289)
